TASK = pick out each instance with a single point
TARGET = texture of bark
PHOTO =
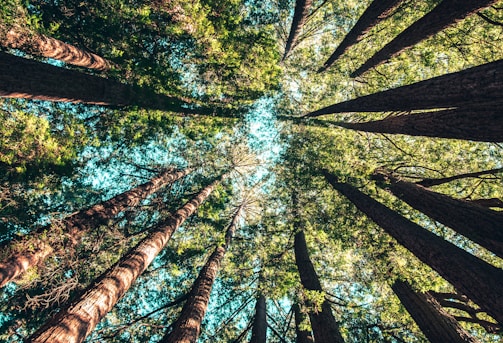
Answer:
(74, 323)
(440, 181)
(445, 14)
(259, 330)
(301, 336)
(377, 11)
(480, 281)
(299, 18)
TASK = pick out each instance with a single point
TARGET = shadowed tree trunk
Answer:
(377, 11)
(41, 45)
(301, 336)
(491, 202)
(445, 14)
(480, 281)
(470, 87)
(440, 181)
(78, 320)
(299, 18)
(480, 224)
(436, 324)
(484, 125)
(76, 225)
(259, 330)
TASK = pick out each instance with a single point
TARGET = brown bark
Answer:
(259, 330)
(41, 45)
(470, 87)
(480, 281)
(377, 11)
(480, 224)
(461, 123)
(299, 18)
(491, 202)
(302, 336)
(440, 181)
(436, 324)
(75, 225)
(74, 323)
(445, 14)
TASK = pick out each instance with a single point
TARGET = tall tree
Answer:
(299, 18)
(480, 281)
(445, 14)
(42, 45)
(436, 324)
(259, 329)
(77, 321)
(75, 225)
(480, 224)
(301, 335)
(377, 11)
(429, 182)
(470, 87)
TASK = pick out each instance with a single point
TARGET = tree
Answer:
(259, 328)
(76, 321)
(479, 280)
(429, 182)
(470, 87)
(480, 224)
(300, 15)
(77, 224)
(373, 15)
(445, 14)
(436, 324)
(301, 335)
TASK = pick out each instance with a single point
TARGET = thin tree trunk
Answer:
(75, 225)
(259, 330)
(460, 123)
(445, 14)
(29, 79)
(436, 324)
(470, 87)
(440, 181)
(78, 320)
(480, 281)
(479, 224)
(41, 45)
(377, 11)
(299, 18)
(302, 336)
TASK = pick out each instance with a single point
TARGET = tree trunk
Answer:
(259, 330)
(445, 14)
(78, 320)
(491, 202)
(480, 281)
(436, 324)
(29, 79)
(440, 181)
(479, 224)
(377, 11)
(302, 336)
(41, 45)
(299, 18)
(460, 123)
(76, 225)
(470, 87)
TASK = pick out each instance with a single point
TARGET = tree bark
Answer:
(440, 181)
(76, 225)
(445, 14)
(470, 87)
(480, 281)
(259, 330)
(479, 224)
(302, 336)
(377, 11)
(491, 202)
(436, 324)
(78, 320)
(41, 45)
(461, 123)
(299, 18)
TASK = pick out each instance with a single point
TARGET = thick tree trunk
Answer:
(299, 18)
(75, 225)
(445, 14)
(440, 181)
(41, 45)
(29, 79)
(301, 336)
(480, 224)
(460, 123)
(377, 11)
(259, 330)
(436, 324)
(470, 87)
(74, 323)
(480, 281)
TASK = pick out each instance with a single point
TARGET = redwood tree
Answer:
(301, 336)
(259, 329)
(299, 18)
